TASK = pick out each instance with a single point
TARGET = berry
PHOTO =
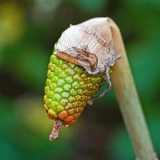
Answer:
(68, 89)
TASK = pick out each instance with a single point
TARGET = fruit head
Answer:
(68, 89)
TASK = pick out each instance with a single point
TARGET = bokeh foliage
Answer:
(28, 31)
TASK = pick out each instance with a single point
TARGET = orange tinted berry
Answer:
(63, 115)
(68, 119)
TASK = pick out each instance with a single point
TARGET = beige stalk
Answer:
(129, 101)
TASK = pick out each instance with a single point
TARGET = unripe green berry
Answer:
(68, 89)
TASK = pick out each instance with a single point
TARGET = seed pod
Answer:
(78, 68)
(68, 89)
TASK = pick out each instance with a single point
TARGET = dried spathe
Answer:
(87, 47)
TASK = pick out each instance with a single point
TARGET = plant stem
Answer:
(129, 101)
(55, 132)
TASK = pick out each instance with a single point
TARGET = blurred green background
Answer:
(28, 31)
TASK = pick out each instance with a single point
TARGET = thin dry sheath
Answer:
(74, 41)
(88, 58)
(90, 102)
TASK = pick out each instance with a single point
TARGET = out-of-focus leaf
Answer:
(144, 3)
(144, 59)
(44, 11)
(120, 147)
(11, 23)
(91, 5)
(30, 63)
(6, 147)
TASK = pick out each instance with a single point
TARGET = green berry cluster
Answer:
(68, 89)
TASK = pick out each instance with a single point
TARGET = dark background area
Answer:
(28, 31)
